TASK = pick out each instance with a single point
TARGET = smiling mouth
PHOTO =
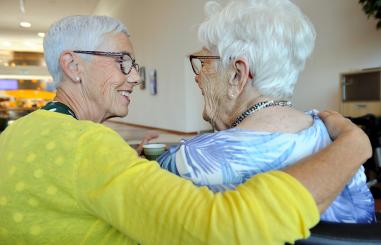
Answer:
(125, 93)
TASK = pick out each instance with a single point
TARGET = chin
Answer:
(205, 116)
(121, 113)
(207, 119)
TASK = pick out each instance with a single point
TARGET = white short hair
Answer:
(274, 35)
(79, 32)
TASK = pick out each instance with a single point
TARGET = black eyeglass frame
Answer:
(201, 57)
(119, 57)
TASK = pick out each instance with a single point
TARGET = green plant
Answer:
(373, 9)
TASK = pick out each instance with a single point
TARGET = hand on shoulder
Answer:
(341, 127)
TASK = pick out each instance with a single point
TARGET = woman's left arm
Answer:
(146, 139)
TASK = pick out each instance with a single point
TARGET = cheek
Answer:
(105, 73)
(110, 82)
(212, 95)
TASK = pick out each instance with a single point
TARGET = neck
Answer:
(259, 107)
(78, 104)
(242, 106)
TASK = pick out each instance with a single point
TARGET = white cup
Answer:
(153, 151)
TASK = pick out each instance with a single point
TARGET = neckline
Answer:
(56, 106)
(316, 122)
(258, 106)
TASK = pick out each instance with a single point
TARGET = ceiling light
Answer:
(25, 24)
(41, 34)
(29, 43)
(7, 44)
(22, 6)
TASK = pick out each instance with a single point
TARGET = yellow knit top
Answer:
(64, 181)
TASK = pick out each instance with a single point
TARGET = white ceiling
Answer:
(41, 14)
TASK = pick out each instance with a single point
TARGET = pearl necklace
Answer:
(258, 107)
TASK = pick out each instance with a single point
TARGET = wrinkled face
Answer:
(107, 88)
(212, 82)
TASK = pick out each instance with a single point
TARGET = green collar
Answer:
(59, 107)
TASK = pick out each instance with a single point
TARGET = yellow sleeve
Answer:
(153, 206)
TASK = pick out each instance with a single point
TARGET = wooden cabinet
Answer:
(357, 109)
(360, 93)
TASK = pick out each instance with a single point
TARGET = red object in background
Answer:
(377, 203)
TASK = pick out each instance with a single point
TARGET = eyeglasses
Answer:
(123, 58)
(197, 61)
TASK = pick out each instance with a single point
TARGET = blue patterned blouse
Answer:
(224, 159)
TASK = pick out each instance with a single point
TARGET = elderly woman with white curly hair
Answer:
(253, 53)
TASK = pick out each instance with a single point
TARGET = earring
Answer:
(77, 79)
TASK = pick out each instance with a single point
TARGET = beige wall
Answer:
(164, 32)
(346, 40)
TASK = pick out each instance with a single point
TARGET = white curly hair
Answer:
(273, 35)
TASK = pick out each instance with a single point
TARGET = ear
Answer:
(241, 75)
(69, 65)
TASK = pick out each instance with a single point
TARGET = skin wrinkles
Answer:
(106, 73)
(103, 91)
(214, 94)
(228, 92)
(104, 87)
(108, 80)
(214, 86)
(210, 99)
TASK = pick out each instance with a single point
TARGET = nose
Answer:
(197, 78)
(133, 78)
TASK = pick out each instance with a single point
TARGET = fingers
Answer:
(334, 117)
(150, 136)
(326, 113)
(340, 127)
(139, 149)
(335, 123)
(146, 139)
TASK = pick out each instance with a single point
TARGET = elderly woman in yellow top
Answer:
(67, 179)
(254, 52)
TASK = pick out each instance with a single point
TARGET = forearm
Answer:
(153, 206)
(326, 173)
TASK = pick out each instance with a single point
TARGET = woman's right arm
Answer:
(153, 206)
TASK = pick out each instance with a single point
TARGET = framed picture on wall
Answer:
(153, 82)
(142, 73)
